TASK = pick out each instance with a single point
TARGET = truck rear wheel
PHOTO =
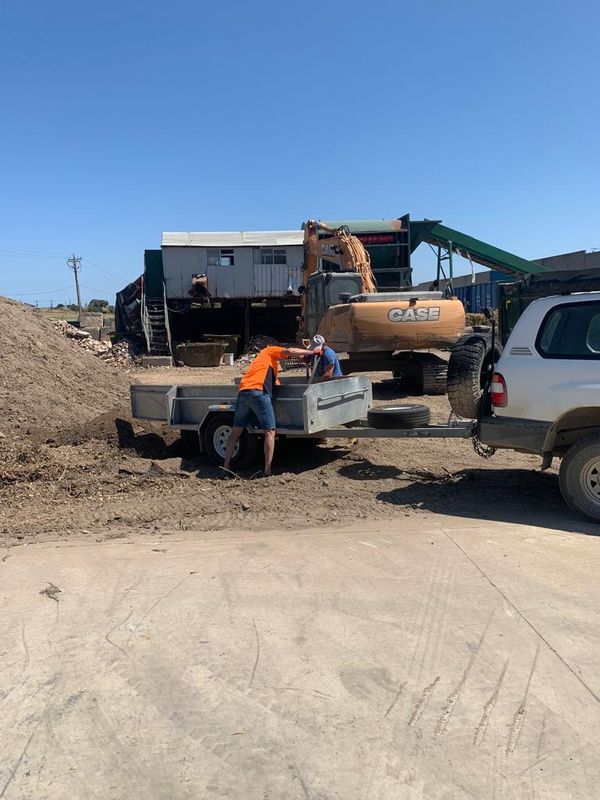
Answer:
(579, 477)
(469, 367)
(215, 437)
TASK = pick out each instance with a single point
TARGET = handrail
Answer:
(145, 319)
(167, 323)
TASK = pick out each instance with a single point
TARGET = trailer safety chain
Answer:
(482, 449)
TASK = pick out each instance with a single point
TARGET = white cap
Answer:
(317, 341)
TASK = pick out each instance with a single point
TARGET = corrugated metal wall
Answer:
(477, 296)
(245, 279)
(273, 280)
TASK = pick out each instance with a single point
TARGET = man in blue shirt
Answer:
(327, 365)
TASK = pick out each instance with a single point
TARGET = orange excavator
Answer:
(379, 331)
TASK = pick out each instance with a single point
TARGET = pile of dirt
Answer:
(46, 381)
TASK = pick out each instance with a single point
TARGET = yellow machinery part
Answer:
(393, 325)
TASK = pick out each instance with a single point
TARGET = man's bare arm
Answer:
(301, 352)
(326, 376)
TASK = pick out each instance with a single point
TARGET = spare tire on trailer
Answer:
(471, 361)
(399, 416)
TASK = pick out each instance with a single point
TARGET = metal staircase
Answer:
(158, 342)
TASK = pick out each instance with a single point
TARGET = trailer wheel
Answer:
(215, 437)
(579, 477)
(469, 367)
(399, 416)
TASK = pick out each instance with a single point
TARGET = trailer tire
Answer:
(214, 441)
(399, 416)
(579, 477)
(469, 366)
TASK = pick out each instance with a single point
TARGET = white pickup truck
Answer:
(545, 394)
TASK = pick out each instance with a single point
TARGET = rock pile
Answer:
(126, 352)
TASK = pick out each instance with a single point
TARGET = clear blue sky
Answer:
(124, 119)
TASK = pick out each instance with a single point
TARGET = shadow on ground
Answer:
(295, 456)
(504, 495)
(391, 390)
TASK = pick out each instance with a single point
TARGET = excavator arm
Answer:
(341, 248)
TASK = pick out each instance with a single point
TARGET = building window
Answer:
(220, 258)
(273, 255)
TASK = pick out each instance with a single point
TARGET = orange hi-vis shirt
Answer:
(262, 372)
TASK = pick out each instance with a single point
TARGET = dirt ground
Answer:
(110, 473)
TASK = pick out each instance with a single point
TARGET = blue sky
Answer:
(124, 119)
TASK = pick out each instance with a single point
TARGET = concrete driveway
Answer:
(427, 661)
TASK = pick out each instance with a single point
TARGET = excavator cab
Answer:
(326, 289)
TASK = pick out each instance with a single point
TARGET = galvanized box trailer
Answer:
(335, 409)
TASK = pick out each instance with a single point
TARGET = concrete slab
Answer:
(157, 361)
(419, 661)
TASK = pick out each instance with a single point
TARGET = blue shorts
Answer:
(254, 407)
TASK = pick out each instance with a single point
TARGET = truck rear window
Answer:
(571, 330)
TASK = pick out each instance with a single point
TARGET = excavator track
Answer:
(435, 375)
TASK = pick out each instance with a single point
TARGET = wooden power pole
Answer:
(75, 264)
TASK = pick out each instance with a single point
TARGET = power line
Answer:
(16, 251)
(100, 291)
(112, 274)
(34, 294)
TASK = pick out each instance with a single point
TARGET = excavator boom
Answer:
(338, 247)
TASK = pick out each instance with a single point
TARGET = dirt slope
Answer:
(46, 381)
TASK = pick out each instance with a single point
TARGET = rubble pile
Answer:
(126, 352)
(83, 339)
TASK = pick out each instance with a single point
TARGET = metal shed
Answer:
(238, 264)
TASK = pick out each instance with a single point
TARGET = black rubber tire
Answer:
(425, 373)
(579, 477)
(399, 416)
(468, 371)
(248, 447)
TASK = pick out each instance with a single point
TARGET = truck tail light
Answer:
(498, 393)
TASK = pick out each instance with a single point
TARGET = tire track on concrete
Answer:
(422, 702)
(525, 619)
(514, 733)
(489, 707)
(454, 696)
(257, 658)
(395, 700)
(541, 740)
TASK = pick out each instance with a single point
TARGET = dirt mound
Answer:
(46, 381)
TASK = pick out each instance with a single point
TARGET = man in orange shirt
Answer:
(255, 399)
